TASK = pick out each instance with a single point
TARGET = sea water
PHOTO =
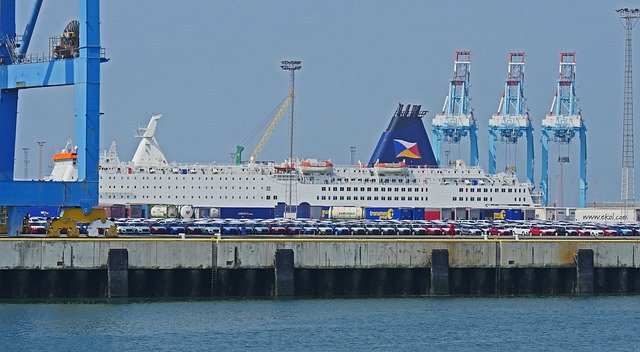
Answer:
(600, 323)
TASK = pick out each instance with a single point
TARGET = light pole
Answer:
(26, 162)
(292, 67)
(40, 147)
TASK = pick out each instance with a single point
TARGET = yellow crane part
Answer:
(272, 126)
(70, 218)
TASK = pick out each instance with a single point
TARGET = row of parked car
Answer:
(372, 228)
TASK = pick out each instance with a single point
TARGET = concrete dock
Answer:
(161, 267)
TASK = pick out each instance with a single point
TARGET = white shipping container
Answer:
(605, 214)
(346, 213)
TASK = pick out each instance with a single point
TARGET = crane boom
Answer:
(272, 126)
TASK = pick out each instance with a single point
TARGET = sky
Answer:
(212, 69)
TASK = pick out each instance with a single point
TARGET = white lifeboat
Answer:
(311, 166)
(390, 168)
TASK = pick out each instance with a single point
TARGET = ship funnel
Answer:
(405, 139)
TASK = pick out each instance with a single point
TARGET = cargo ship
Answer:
(402, 173)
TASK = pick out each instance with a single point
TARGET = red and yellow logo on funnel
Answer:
(406, 149)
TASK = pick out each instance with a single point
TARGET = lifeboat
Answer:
(313, 166)
(65, 155)
(390, 168)
(285, 167)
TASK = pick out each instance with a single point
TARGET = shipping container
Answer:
(515, 214)
(347, 213)
(280, 210)
(326, 212)
(418, 214)
(381, 213)
(173, 211)
(605, 214)
(315, 212)
(158, 211)
(44, 211)
(432, 214)
(247, 213)
(135, 211)
(115, 211)
(406, 213)
(3, 220)
(202, 212)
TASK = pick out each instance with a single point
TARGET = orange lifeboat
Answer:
(311, 166)
(390, 168)
(65, 155)
(285, 167)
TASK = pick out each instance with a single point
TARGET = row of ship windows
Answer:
(184, 187)
(490, 199)
(473, 199)
(375, 189)
(192, 178)
(496, 190)
(130, 196)
(370, 198)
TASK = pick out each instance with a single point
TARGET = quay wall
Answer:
(157, 267)
(312, 253)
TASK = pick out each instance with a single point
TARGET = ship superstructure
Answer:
(401, 173)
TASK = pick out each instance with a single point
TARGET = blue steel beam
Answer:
(8, 98)
(473, 144)
(492, 151)
(544, 179)
(28, 30)
(583, 167)
(530, 155)
(37, 75)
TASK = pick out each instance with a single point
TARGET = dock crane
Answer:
(562, 123)
(268, 132)
(74, 59)
(512, 121)
(456, 120)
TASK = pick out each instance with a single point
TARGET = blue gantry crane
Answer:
(512, 121)
(456, 120)
(74, 59)
(562, 123)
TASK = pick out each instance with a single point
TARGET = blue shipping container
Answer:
(247, 213)
(382, 213)
(279, 211)
(406, 213)
(45, 212)
(418, 213)
(515, 214)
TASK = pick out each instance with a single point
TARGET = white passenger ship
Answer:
(150, 179)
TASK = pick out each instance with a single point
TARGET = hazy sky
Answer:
(212, 68)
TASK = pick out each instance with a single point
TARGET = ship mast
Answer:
(291, 66)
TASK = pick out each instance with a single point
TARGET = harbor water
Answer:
(438, 324)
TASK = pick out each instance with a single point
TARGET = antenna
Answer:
(628, 18)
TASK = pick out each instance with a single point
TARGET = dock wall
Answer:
(321, 267)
